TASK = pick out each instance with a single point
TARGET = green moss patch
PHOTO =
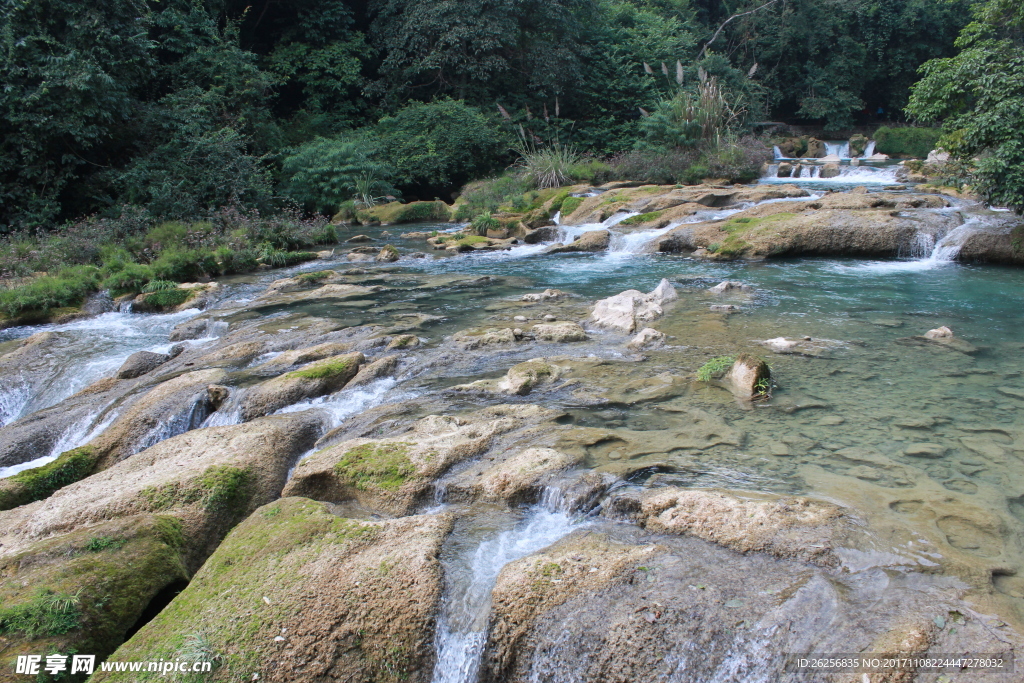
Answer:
(219, 488)
(325, 369)
(39, 483)
(738, 229)
(639, 219)
(168, 298)
(376, 465)
(570, 204)
(715, 368)
(413, 212)
(314, 278)
(471, 240)
(46, 613)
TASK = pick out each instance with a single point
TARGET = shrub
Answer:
(169, 298)
(184, 265)
(489, 195)
(546, 167)
(325, 173)
(906, 141)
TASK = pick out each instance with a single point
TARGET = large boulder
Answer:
(296, 592)
(858, 145)
(816, 149)
(626, 311)
(207, 478)
(393, 475)
(140, 363)
(310, 381)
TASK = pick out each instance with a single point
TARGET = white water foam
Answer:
(942, 252)
(462, 626)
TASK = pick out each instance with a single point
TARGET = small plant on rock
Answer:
(715, 367)
(485, 222)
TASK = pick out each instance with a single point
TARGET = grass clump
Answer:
(484, 222)
(46, 614)
(714, 368)
(168, 298)
(40, 482)
(378, 465)
(325, 369)
(44, 294)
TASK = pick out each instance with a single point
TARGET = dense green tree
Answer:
(979, 94)
(324, 173)
(69, 73)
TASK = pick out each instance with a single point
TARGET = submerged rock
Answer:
(472, 339)
(624, 312)
(749, 377)
(806, 346)
(647, 338)
(546, 295)
(730, 286)
(559, 332)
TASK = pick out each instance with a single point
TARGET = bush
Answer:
(130, 279)
(489, 195)
(325, 173)
(485, 222)
(549, 166)
(906, 141)
(440, 145)
(185, 265)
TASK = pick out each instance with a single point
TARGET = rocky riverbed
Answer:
(510, 459)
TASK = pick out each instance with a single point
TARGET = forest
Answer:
(265, 118)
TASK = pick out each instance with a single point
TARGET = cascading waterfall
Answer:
(869, 150)
(462, 626)
(191, 418)
(839, 148)
(12, 402)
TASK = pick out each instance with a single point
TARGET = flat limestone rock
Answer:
(626, 312)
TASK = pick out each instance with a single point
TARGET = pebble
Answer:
(778, 448)
(520, 318)
(550, 318)
(831, 421)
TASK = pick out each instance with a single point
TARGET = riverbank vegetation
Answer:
(238, 127)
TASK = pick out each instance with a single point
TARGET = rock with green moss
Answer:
(82, 591)
(297, 593)
(387, 254)
(593, 240)
(469, 340)
(38, 483)
(393, 475)
(207, 478)
(289, 359)
(310, 381)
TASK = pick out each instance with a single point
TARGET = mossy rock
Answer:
(83, 591)
(641, 219)
(38, 483)
(735, 245)
(352, 599)
(413, 212)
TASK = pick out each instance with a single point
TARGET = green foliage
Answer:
(546, 166)
(491, 195)
(714, 368)
(43, 294)
(38, 483)
(159, 286)
(315, 277)
(484, 222)
(733, 160)
(641, 218)
(906, 141)
(198, 648)
(324, 173)
(440, 145)
(700, 117)
(375, 465)
(46, 614)
(979, 96)
(132, 278)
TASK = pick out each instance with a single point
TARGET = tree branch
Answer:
(704, 49)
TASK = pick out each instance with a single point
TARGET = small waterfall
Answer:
(778, 152)
(191, 418)
(840, 148)
(557, 218)
(12, 402)
(229, 413)
(869, 150)
(465, 613)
